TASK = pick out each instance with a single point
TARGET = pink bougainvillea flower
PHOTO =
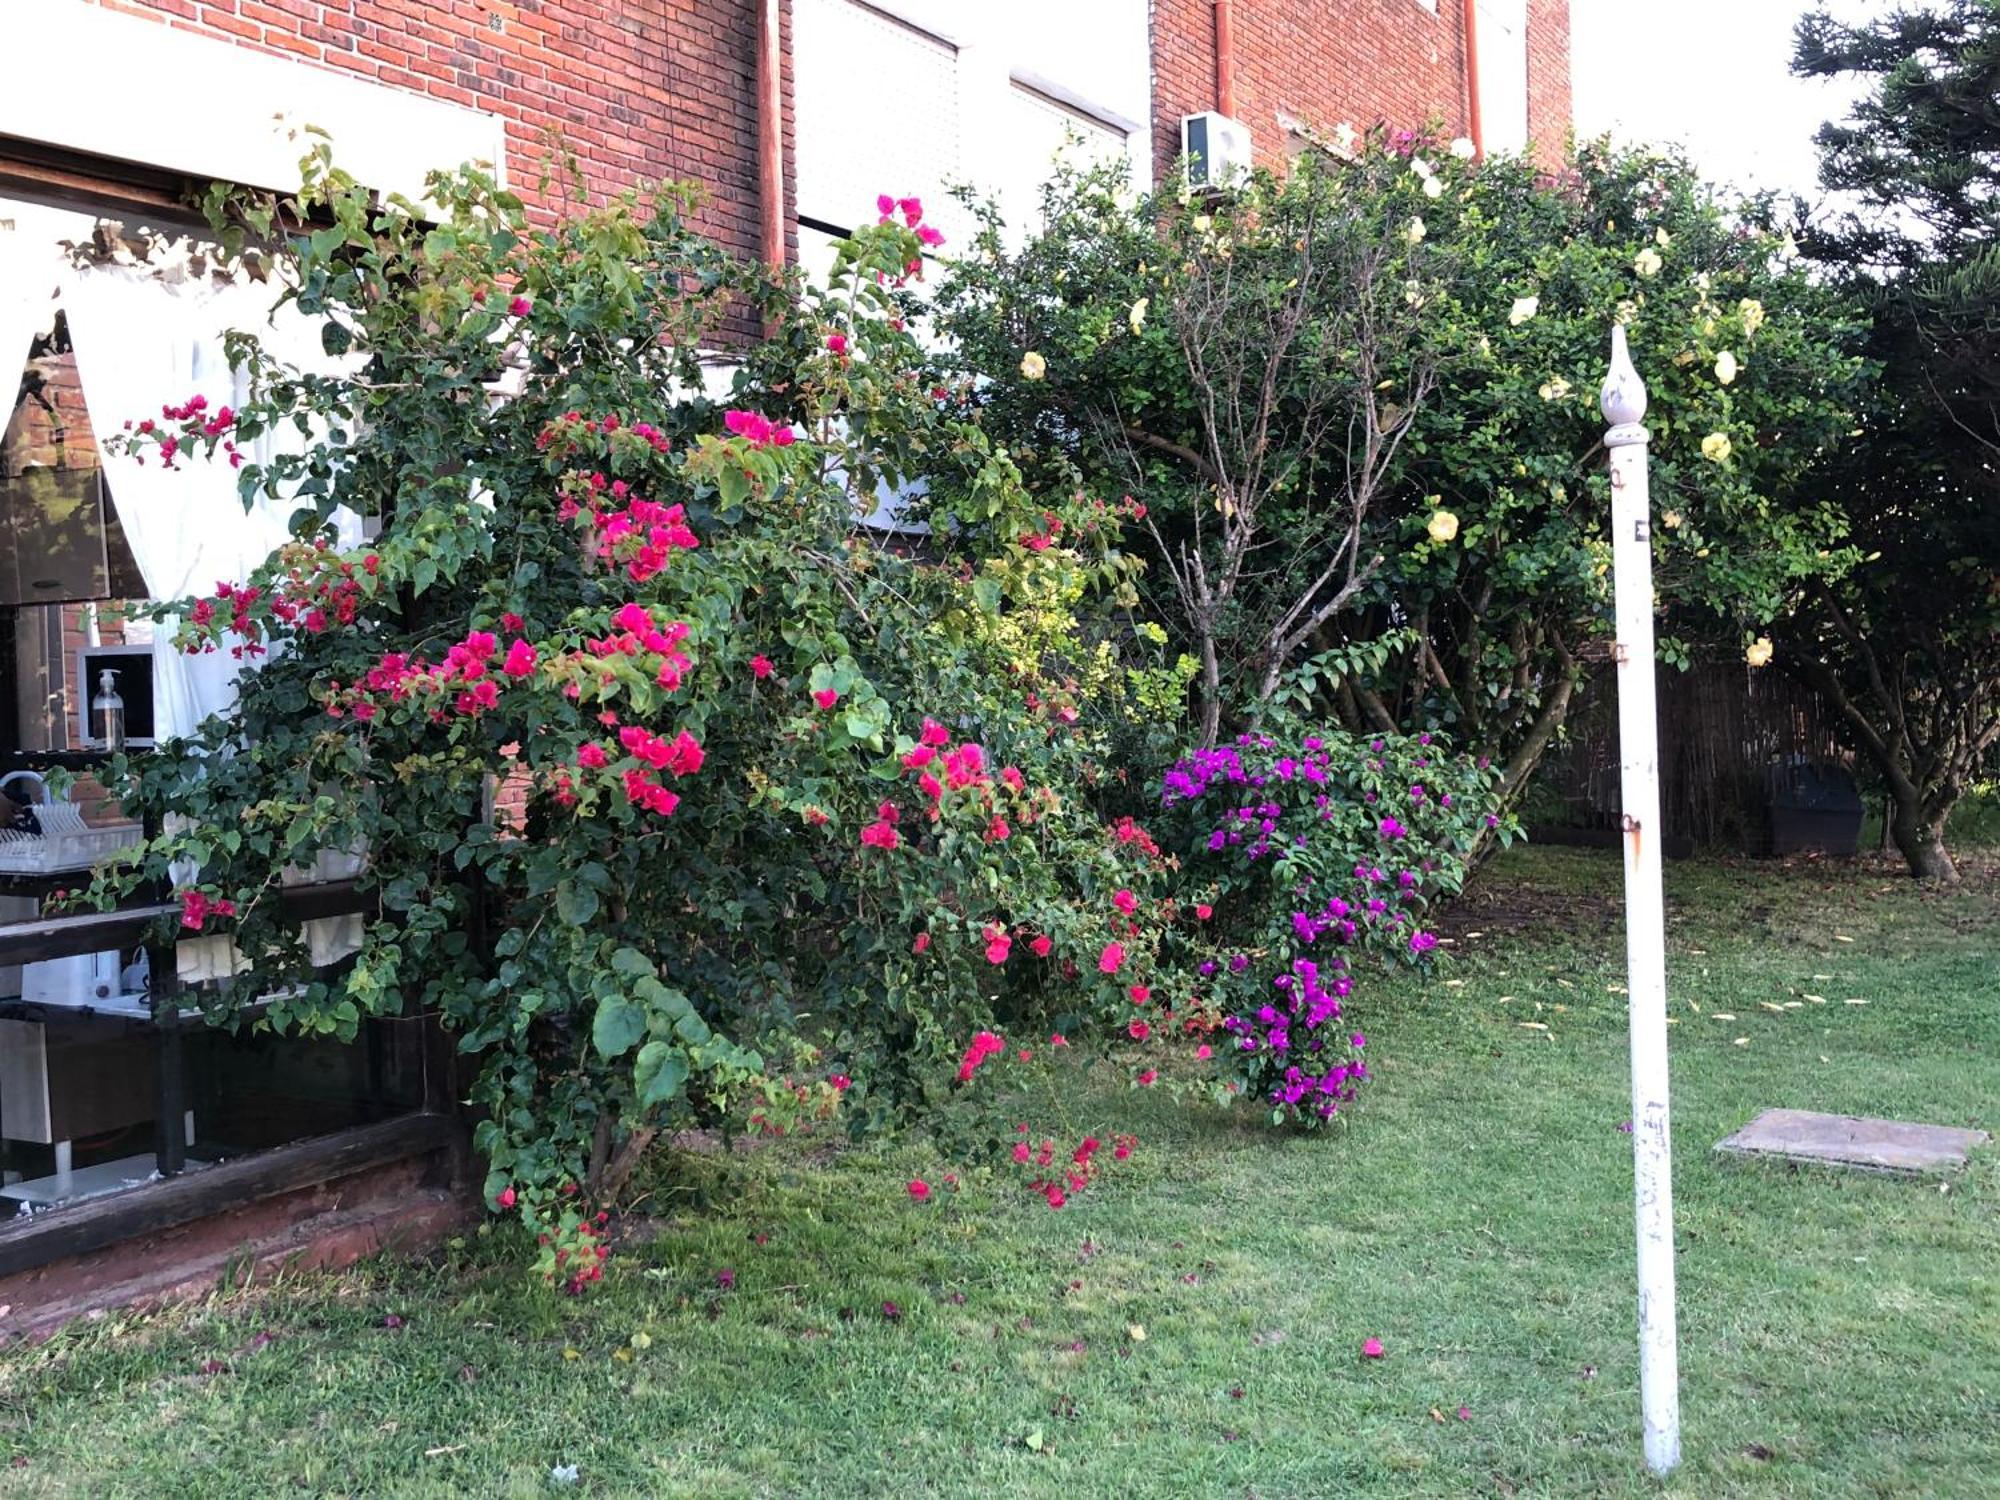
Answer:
(1372, 1348)
(591, 755)
(760, 667)
(919, 1189)
(1204, 912)
(923, 941)
(1148, 1078)
(1465, 1414)
(520, 660)
(1140, 994)
(1204, 1052)
(881, 836)
(1021, 1151)
(1139, 1031)
(1112, 958)
(520, 307)
(1125, 901)
(826, 697)
(929, 236)
(997, 945)
(935, 733)
(837, 343)
(726, 1279)
(997, 831)
(1056, 1198)
(885, 205)
(1057, 1039)
(505, 1198)
(512, 621)
(1042, 944)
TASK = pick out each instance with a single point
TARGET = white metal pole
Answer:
(1624, 403)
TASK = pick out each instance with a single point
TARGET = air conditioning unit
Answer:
(1215, 148)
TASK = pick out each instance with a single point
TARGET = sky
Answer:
(1711, 74)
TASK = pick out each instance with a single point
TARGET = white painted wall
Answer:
(129, 89)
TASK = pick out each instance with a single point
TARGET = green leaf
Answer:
(619, 1026)
(632, 964)
(658, 1074)
(986, 591)
(575, 904)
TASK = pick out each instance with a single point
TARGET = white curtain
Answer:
(144, 340)
(146, 336)
(27, 296)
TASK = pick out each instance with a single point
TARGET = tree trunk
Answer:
(1211, 692)
(1919, 835)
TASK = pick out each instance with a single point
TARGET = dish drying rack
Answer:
(65, 841)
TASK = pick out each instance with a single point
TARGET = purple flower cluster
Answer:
(1314, 808)
(1296, 1034)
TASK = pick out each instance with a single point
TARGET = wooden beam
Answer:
(98, 1222)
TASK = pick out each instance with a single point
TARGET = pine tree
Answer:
(1907, 644)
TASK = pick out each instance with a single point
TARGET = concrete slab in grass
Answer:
(1896, 1146)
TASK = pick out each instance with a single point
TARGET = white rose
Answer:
(1463, 149)
(1033, 366)
(1725, 367)
(1647, 262)
(1415, 231)
(1523, 309)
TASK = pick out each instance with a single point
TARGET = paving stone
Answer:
(1847, 1141)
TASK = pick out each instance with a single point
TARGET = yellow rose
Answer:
(1523, 309)
(1725, 367)
(1137, 316)
(1554, 390)
(1033, 366)
(1202, 223)
(1759, 654)
(1671, 519)
(1647, 262)
(1662, 238)
(1715, 447)
(1443, 527)
(1751, 311)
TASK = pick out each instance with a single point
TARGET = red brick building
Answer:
(134, 1158)
(1295, 70)
(704, 89)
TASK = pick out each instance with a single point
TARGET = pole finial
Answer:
(1623, 397)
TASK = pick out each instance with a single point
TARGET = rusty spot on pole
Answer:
(1633, 836)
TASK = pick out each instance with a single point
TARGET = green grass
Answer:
(1840, 1334)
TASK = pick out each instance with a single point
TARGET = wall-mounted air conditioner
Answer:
(1215, 148)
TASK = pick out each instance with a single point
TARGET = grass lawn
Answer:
(1840, 1334)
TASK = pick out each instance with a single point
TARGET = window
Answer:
(876, 107)
(97, 1091)
(1040, 130)
(1503, 74)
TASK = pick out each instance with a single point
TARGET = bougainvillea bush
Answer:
(1318, 846)
(683, 799)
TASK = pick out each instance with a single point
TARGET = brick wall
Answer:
(1366, 62)
(1549, 112)
(639, 89)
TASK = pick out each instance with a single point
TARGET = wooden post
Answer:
(1623, 400)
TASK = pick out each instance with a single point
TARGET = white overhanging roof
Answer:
(87, 79)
